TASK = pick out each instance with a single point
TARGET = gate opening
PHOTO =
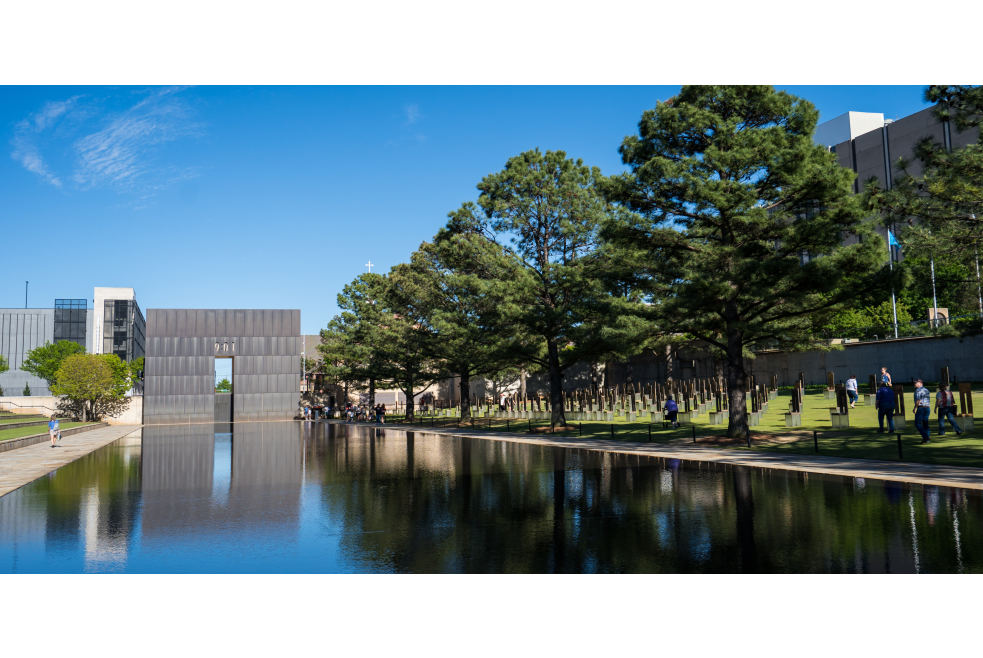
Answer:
(223, 389)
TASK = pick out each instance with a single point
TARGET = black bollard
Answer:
(899, 446)
(815, 439)
(530, 427)
(694, 433)
(580, 429)
(650, 431)
(612, 430)
(506, 424)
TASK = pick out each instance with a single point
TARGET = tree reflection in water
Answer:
(302, 497)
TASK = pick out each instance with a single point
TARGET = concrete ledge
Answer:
(944, 476)
(31, 423)
(24, 441)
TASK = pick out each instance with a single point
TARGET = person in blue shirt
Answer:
(923, 404)
(53, 431)
(884, 402)
(672, 409)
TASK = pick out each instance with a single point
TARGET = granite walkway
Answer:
(932, 474)
(18, 467)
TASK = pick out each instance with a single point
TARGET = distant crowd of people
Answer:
(885, 402)
(353, 412)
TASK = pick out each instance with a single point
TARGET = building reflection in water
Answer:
(314, 497)
(200, 479)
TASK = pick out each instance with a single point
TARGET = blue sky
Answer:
(275, 197)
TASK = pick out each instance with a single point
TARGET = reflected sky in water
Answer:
(303, 498)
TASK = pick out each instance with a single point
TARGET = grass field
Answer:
(860, 441)
(7, 420)
(6, 435)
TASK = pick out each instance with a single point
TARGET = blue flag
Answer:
(891, 240)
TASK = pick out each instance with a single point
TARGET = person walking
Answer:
(851, 390)
(886, 377)
(945, 405)
(53, 430)
(382, 413)
(672, 411)
(307, 412)
(923, 404)
(884, 403)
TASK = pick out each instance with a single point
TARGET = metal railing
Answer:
(5, 404)
(957, 325)
(913, 329)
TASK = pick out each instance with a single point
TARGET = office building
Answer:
(119, 329)
(870, 145)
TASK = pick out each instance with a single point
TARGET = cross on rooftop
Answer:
(369, 265)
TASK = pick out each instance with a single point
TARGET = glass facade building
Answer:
(70, 319)
(124, 329)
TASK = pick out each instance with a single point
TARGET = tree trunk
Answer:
(593, 380)
(630, 381)
(465, 387)
(737, 427)
(669, 369)
(371, 391)
(557, 416)
(408, 392)
(522, 384)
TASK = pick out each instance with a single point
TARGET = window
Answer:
(70, 316)
(123, 330)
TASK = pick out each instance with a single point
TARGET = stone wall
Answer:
(47, 405)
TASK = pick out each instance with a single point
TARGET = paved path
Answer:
(18, 467)
(946, 476)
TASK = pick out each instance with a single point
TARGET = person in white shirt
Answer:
(851, 390)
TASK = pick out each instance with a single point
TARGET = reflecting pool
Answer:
(311, 498)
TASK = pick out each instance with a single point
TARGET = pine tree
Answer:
(544, 211)
(384, 340)
(451, 285)
(730, 191)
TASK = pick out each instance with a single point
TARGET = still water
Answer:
(303, 498)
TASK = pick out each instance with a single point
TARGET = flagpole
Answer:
(894, 304)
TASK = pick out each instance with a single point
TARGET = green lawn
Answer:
(7, 420)
(6, 435)
(860, 441)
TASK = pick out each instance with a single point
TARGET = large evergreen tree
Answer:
(731, 192)
(384, 340)
(544, 211)
(451, 286)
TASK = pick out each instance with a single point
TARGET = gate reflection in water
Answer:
(302, 497)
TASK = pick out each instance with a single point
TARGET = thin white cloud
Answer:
(412, 114)
(26, 153)
(121, 155)
(116, 150)
(25, 140)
